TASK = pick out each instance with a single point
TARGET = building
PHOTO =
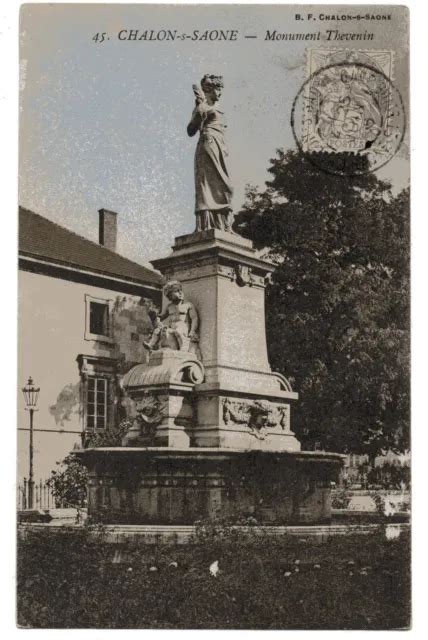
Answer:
(393, 459)
(83, 315)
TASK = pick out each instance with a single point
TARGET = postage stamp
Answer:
(350, 106)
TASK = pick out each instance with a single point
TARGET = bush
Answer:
(110, 437)
(390, 476)
(69, 482)
(68, 580)
(340, 499)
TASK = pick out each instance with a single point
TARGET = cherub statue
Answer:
(213, 189)
(177, 327)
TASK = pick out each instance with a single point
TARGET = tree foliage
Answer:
(338, 305)
(69, 481)
(110, 437)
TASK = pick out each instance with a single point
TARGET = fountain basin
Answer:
(162, 485)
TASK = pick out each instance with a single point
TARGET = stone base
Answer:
(172, 486)
(240, 403)
(242, 422)
(161, 408)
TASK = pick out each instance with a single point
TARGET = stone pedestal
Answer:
(241, 403)
(161, 393)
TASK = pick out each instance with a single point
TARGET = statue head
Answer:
(212, 87)
(173, 290)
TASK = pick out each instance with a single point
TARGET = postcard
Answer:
(213, 357)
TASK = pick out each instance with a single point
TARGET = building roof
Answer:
(43, 239)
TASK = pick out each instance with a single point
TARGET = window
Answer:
(96, 403)
(98, 324)
(98, 318)
(98, 392)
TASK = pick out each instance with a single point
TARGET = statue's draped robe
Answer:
(213, 190)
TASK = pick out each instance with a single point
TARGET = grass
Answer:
(350, 582)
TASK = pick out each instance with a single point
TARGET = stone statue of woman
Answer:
(213, 189)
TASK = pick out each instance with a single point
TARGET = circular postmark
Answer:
(348, 118)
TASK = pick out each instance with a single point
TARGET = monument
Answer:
(211, 423)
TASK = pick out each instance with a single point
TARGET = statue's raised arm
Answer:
(213, 189)
(199, 111)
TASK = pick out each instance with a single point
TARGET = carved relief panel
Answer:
(260, 416)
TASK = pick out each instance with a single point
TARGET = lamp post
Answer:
(31, 395)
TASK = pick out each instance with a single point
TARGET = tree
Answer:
(338, 305)
(69, 481)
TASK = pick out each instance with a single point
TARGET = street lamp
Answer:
(31, 395)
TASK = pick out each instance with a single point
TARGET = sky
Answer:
(104, 124)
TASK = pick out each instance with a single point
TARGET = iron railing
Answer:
(43, 497)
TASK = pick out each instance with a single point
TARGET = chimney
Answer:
(108, 229)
